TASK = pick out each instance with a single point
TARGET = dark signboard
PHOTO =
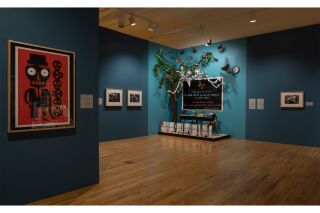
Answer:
(205, 94)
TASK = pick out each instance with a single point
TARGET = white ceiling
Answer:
(180, 27)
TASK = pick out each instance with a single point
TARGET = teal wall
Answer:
(158, 104)
(232, 119)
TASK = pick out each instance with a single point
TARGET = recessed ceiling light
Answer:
(253, 19)
(132, 20)
(150, 26)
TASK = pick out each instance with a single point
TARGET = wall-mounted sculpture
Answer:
(172, 75)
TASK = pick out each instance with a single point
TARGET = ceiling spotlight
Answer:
(208, 43)
(151, 26)
(253, 19)
(121, 22)
(132, 21)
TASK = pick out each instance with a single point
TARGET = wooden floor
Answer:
(170, 170)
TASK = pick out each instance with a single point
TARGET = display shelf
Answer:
(214, 137)
(197, 118)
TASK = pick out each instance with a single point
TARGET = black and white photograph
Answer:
(135, 98)
(292, 100)
(113, 97)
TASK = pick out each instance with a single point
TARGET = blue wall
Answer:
(232, 119)
(123, 65)
(38, 165)
(284, 61)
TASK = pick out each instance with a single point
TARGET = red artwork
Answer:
(42, 90)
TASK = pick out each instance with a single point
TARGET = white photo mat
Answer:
(134, 97)
(292, 99)
(113, 97)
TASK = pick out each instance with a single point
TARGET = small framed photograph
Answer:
(134, 98)
(292, 100)
(113, 97)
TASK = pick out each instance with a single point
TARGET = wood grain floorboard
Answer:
(156, 170)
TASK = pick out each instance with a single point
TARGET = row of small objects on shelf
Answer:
(204, 130)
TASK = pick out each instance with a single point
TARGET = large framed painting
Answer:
(41, 88)
(113, 97)
(292, 100)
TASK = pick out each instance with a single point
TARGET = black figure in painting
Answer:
(38, 96)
